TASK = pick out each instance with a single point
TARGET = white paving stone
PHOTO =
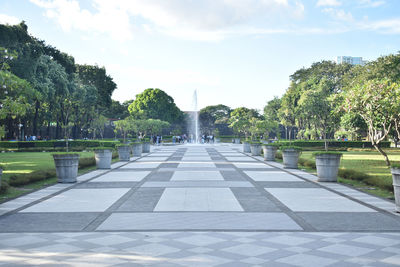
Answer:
(141, 165)
(198, 199)
(316, 199)
(255, 165)
(196, 165)
(122, 176)
(272, 176)
(80, 200)
(196, 175)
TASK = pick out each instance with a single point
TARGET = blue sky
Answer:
(234, 52)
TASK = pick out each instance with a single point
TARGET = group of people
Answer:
(182, 139)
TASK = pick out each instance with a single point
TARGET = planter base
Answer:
(66, 167)
(327, 167)
(396, 187)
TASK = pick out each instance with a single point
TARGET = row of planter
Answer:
(327, 163)
(67, 163)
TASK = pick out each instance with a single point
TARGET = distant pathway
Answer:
(205, 205)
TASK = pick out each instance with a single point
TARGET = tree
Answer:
(240, 120)
(99, 125)
(377, 102)
(97, 76)
(123, 126)
(211, 115)
(271, 110)
(155, 104)
(15, 93)
(319, 103)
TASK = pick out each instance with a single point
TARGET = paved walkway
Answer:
(207, 205)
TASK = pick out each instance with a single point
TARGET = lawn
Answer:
(27, 162)
(368, 162)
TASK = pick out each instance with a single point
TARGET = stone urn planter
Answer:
(255, 149)
(136, 149)
(146, 147)
(236, 140)
(396, 184)
(327, 164)
(124, 152)
(269, 152)
(66, 167)
(246, 147)
(290, 157)
(103, 158)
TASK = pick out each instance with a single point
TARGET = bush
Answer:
(56, 144)
(87, 162)
(278, 155)
(334, 143)
(4, 187)
(307, 163)
(23, 179)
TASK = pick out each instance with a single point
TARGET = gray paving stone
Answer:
(287, 185)
(199, 221)
(345, 221)
(160, 176)
(44, 222)
(232, 175)
(143, 199)
(253, 201)
(106, 185)
(216, 184)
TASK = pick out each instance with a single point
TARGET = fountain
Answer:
(193, 124)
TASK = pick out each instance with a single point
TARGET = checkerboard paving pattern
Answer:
(200, 249)
(208, 205)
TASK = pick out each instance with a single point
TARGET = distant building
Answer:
(351, 60)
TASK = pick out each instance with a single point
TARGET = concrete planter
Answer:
(103, 158)
(217, 140)
(255, 149)
(269, 152)
(246, 147)
(124, 153)
(290, 158)
(396, 187)
(327, 167)
(236, 141)
(146, 147)
(136, 149)
(66, 167)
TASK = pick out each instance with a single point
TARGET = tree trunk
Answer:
(383, 153)
(35, 118)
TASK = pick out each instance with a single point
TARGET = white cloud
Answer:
(339, 14)
(199, 20)
(371, 3)
(5, 19)
(328, 3)
(390, 26)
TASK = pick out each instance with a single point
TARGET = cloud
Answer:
(5, 19)
(371, 3)
(328, 3)
(390, 26)
(339, 14)
(198, 20)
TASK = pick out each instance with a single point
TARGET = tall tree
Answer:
(155, 104)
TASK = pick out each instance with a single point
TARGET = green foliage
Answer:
(334, 144)
(326, 152)
(155, 104)
(395, 165)
(23, 179)
(283, 148)
(240, 120)
(55, 144)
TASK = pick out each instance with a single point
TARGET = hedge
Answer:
(55, 144)
(334, 144)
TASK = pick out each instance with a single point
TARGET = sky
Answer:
(233, 52)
